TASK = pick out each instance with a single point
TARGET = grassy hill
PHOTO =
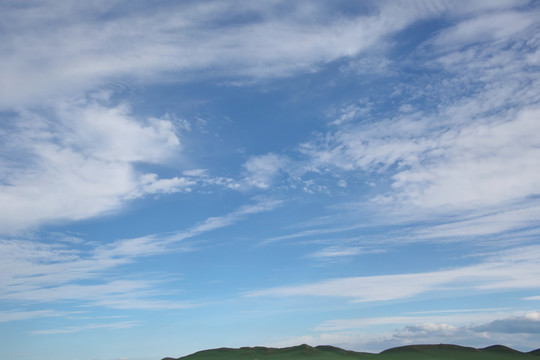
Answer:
(411, 352)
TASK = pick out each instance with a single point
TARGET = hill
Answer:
(290, 353)
(410, 352)
(535, 352)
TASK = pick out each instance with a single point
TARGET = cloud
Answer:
(504, 270)
(6, 316)
(50, 49)
(81, 164)
(76, 329)
(522, 219)
(49, 273)
(498, 26)
(429, 329)
(212, 223)
(40, 272)
(72, 154)
(339, 251)
(151, 184)
(260, 171)
(376, 334)
(418, 321)
(57, 50)
(195, 172)
(526, 324)
(111, 133)
(310, 232)
(352, 112)
(478, 164)
(466, 163)
(481, 165)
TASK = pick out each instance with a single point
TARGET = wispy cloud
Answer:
(466, 162)
(311, 232)
(338, 251)
(76, 329)
(48, 273)
(54, 49)
(478, 165)
(510, 269)
(492, 26)
(107, 45)
(519, 218)
(17, 315)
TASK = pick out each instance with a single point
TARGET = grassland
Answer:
(412, 352)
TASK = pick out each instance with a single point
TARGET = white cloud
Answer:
(497, 26)
(352, 112)
(458, 318)
(263, 169)
(505, 270)
(311, 232)
(428, 329)
(480, 164)
(31, 271)
(480, 224)
(469, 161)
(526, 324)
(75, 329)
(56, 50)
(82, 164)
(111, 133)
(472, 329)
(52, 49)
(151, 184)
(6, 316)
(124, 288)
(195, 172)
(339, 251)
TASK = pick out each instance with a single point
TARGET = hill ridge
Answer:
(328, 352)
(501, 348)
(425, 347)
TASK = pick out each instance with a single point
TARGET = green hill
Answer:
(289, 353)
(535, 352)
(410, 352)
(450, 352)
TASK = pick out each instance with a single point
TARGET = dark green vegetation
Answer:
(411, 352)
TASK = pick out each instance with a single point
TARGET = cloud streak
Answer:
(15, 315)
(180, 38)
(49, 273)
(511, 269)
(93, 44)
(76, 329)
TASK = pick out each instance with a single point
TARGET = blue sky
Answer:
(184, 175)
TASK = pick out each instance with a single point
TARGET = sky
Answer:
(184, 175)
